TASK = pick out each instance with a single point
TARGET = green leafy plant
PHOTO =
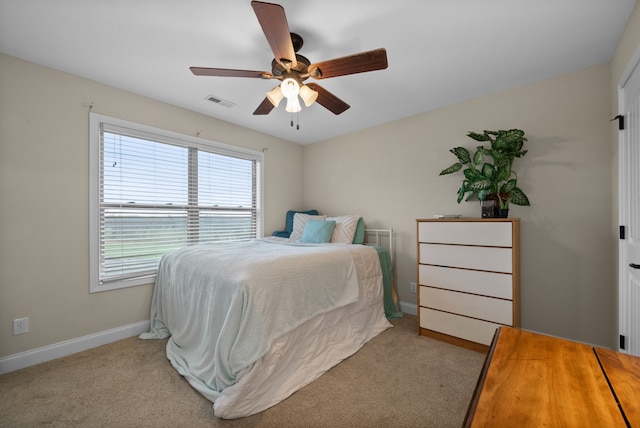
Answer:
(496, 179)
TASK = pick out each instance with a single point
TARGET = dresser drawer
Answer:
(454, 325)
(481, 258)
(470, 281)
(497, 234)
(485, 308)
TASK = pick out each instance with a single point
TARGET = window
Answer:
(153, 191)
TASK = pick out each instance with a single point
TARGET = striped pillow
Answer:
(345, 228)
(299, 220)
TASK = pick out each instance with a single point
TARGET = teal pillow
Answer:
(318, 231)
(358, 237)
(289, 219)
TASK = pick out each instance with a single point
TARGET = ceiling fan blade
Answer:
(227, 72)
(352, 64)
(273, 21)
(265, 107)
(329, 101)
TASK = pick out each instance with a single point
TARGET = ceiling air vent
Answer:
(218, 100)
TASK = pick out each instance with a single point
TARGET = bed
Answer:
(251, 322)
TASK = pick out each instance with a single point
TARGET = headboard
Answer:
(381, 237)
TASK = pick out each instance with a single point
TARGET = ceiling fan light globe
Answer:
(275, 96)
(308, 95)
(293, 105)
(290, 88)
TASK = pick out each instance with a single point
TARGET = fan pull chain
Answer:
(297, 121)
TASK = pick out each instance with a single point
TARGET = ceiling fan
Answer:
(292, 69)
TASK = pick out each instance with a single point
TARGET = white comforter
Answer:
(223, 305)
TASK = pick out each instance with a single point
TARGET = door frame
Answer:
(633, 65)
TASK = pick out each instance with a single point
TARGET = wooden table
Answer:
(533, 380)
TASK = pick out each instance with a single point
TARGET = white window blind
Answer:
(157, 191)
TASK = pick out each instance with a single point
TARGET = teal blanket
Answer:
(390, 309)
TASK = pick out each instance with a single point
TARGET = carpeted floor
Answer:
(398, 379)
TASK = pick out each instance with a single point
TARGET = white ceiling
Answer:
(440, 52)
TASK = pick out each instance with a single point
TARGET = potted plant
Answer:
(491, 180)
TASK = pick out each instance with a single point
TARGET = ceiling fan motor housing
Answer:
(281, 68)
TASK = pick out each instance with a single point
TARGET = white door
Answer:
(629, 215)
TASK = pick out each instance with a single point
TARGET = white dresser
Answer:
(469, 279)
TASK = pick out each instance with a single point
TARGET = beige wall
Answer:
(44, 208)
(389, 174)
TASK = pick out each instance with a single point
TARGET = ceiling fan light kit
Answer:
(293, 105)
(290, 88)
(275, 96)
(308, 95)
(293, 69)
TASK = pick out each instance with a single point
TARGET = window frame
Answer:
(98, 123)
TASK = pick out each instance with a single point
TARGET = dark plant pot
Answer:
(503, 212)
(489, 208)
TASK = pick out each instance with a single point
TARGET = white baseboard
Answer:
(68, 347)
(408, 308)
(62, 349)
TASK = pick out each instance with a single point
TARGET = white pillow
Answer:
(345, 230)
(299, 220)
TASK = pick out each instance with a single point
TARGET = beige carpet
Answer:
(398, 379)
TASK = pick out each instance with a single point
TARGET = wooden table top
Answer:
(623, 372)
(542, 381)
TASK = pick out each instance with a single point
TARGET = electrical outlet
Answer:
(20, 326)
(412, 287)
